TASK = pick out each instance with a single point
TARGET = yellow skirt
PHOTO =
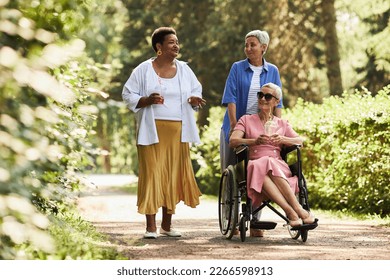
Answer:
(166, 176)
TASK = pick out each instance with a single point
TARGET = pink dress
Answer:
(265, 158)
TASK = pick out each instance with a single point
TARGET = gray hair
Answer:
(276, 89)
(262, 36)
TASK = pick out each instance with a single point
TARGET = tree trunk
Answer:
(331, 47)
(104, 143)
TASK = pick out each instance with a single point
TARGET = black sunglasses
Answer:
(267, 96)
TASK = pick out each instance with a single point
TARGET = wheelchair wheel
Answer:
(228, 201)
(243, 228)
(293, 233)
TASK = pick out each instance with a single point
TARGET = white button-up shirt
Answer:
(137, 87)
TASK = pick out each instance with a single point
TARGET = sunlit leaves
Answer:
(23, 223)
(4, 175)
(8, 57)
(48, 87)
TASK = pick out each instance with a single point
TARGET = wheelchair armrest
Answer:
(288, 149)
(242, 152)
(242, 155)
(241, 148)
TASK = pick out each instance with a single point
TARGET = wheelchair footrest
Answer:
(306, 226)
(262, 225)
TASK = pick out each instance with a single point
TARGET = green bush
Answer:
(347, 151)
(47, 108)
(206, 159)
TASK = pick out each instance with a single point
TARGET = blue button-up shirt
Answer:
(237, 88)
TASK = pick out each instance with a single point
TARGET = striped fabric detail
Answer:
(252, 106)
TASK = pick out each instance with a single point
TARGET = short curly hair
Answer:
(159, 34)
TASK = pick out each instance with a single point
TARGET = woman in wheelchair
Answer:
(268, 175)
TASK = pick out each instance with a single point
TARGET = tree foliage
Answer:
(49, 87)
(377, 68)
(364, 27)
(211, 33)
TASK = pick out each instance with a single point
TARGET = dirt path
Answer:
(115, 214)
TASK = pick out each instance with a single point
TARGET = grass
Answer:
(129, 189)
(78, 239)
(73, 239)
(384, 221)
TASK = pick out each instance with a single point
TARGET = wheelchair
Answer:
(235, 207)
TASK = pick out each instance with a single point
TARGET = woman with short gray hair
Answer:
(245, 79)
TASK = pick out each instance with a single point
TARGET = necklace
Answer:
(165, 70)
(264, 119)
(162, 65)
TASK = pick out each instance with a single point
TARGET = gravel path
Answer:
(115, 214)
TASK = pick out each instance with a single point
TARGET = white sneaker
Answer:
(171, 233)
(150, 235)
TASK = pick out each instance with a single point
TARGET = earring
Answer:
(159, 52)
